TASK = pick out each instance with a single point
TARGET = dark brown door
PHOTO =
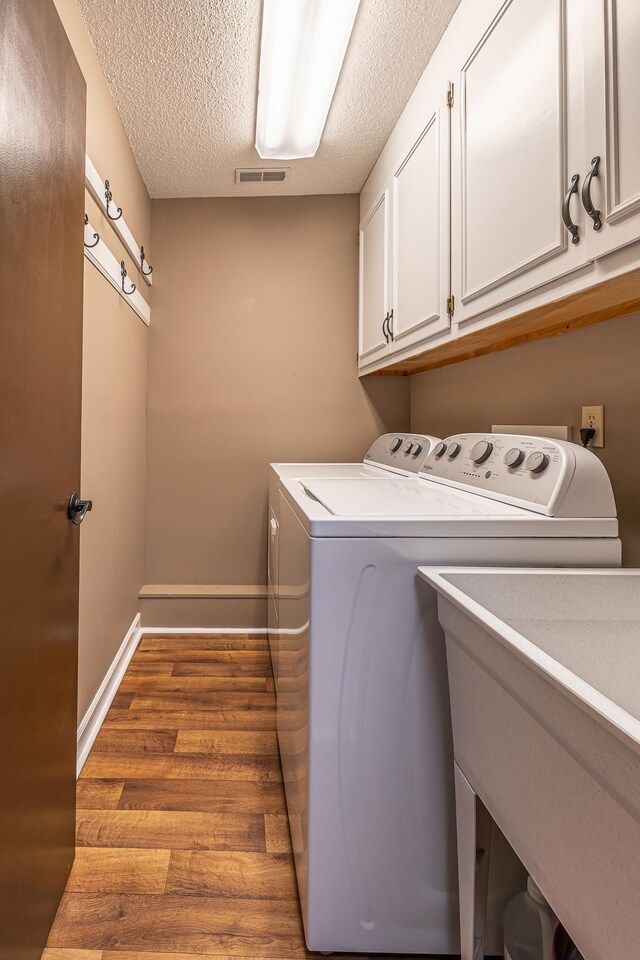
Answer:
(42, 136)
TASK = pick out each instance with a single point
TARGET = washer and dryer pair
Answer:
(359, 659)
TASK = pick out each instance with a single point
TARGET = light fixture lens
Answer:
(302, 50)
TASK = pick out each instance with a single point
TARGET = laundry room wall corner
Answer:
(252, 360)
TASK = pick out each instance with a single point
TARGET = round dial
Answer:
(408, 449)
(514, 457)
(481, 451)
(440, 449)
(537, 462)
(417, 450)
(396, 444)
(454, 450)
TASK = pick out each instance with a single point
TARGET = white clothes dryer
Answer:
(392, 455)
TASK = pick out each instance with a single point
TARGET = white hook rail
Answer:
(98, 189)
(98, 253)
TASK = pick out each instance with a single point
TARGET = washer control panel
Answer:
(402, 452)
(531, 470)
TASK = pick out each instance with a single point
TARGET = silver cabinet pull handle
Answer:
(572, 227)
(587, 202)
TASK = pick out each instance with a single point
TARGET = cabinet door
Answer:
(518, 137)
(421, 247)
(613, 121)
(374, 281)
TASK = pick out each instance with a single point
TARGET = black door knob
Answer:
(77, 509)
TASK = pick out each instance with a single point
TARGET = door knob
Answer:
(77, 509)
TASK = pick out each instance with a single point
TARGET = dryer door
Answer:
(272, 583)
(294, 608)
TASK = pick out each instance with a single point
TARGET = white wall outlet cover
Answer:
(594, 417)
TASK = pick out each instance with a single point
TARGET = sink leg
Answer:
(474, 842)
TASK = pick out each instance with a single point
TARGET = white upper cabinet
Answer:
(523, 193)
(421, 267)
(518, 140)
(613, 123)
(374, 282)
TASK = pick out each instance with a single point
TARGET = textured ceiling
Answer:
(184, 74)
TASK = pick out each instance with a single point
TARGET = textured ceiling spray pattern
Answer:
(184, 75)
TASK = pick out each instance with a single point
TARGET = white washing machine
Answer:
(391, 455)
(363, 704)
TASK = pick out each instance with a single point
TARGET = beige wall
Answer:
(114, 395)
(252, 359)
(547, 383)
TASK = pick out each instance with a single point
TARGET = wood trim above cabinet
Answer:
(613, 298)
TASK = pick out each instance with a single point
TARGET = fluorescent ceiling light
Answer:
(303, 46)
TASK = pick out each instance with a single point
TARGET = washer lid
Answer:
(402, 498)
(410, 508)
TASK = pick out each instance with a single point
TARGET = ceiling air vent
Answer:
(262, 175)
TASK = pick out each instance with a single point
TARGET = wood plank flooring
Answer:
(183, 843)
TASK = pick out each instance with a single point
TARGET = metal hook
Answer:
(96, 236)
(123, 274)
(109, 198)
(143, 260)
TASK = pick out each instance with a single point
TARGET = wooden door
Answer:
(42, 142)
(421, 248)
(518, 138)
(374, 282)
(613, 123)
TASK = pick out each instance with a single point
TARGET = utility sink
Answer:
(544, 676)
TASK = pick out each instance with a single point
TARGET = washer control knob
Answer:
(514, 457)
(440, 449)
(408, 449)
(417, 450)
(481, 451)
(537, 462)
(454, 450)
(396, 444)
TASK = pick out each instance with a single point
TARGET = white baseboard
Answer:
(188, 631)
(93, 718)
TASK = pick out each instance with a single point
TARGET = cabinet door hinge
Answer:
(451, 305)
(449, 100)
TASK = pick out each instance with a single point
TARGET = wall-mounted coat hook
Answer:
(115, 272)
(100, 189)
(96, 236)
(123, 274)
(143, 260)
(109, 198)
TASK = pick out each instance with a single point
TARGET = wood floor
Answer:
(183, 843)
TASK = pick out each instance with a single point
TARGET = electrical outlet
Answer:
(594, 417)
